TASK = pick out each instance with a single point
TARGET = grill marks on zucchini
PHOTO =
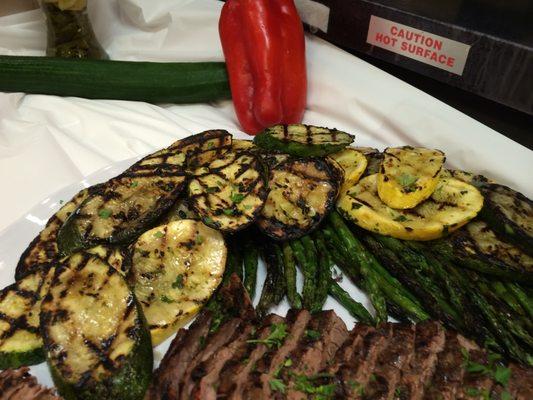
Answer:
(97, 344)
(477, 240)
(303, 140)
(408, 175)
(43, 249)
(20, 341)
(175, 269)
(510, 214)
(232, 192)
(452, 204)
(301, 193)
(120, 210)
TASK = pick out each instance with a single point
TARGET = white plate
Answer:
(15, 238)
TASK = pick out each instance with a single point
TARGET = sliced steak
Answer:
(352, 344)
(234, 378)
(395, 358)
(182, 350)
(429, 342)
(449, 372)
(226, 334)
(206, 387)
(323, 337)
(520, 384)
(475, 385)
(269, 365)
(19, 384)
(356, 374)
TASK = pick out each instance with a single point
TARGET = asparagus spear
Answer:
(521, 296)
(290, 277)
(251, 257)
(305, 257)
(274, 286)
(323, 274)
(356, 309)
(414, 265)
(390, 286)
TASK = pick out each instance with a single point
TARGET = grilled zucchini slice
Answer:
(452, 204)
(510, 214)
(43, 249)
(121, 209)
(301, 193)
(468, 177)
(20, 303)
(408, 175)
(353, 164)
(303, 140)
(113, 255)
(231, 195)
(182, 209)
(374, 159)
(477, 246)
(175, 269)
(242, 145)
(96, 340)
(190, 152)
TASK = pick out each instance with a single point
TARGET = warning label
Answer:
(426, 47)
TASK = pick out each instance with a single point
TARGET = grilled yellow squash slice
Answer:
(452, 204)
(353, 164)
(408, 175)
(175, 269)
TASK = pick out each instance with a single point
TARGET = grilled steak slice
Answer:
(521, 382)
(206, 387)
(449, 372)
(390, 363)
(356, 374)
(429, 342)
(323, 337)
(19, 384)
(182, 350)
(225, 335)
(234, 378)
(268, 367)
(352, 344)
(476, 385)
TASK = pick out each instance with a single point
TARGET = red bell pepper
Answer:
(264, 48)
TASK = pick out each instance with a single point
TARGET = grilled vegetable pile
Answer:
(144, 251)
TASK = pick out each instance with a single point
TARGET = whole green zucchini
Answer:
(116, 80)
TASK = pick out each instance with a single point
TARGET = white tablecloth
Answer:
(47, 142)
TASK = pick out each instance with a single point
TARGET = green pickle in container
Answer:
(70, 34)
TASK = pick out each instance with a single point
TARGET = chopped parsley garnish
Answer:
(509, 229)
(401, 218)
(211, 189)
(61, 201)
(500, 373)
(104, 213)
(228, 211)
(277, 385)
(159, 234)
(199, 239)
(278, 332)
(312, 385)
(237, 197)
(209, 221)
(134, 184)
(178, 283)
(166, 299)
(407, 181)
(312, 334)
